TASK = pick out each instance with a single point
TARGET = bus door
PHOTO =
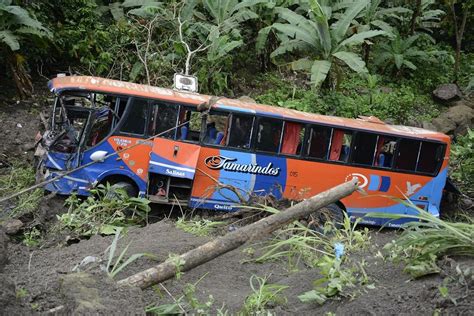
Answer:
(171, 171)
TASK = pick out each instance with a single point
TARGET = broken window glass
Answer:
(164, 117)
(216, 128)
(135, 121)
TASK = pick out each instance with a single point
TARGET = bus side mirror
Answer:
(98, 156)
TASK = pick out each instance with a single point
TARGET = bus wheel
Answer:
(126, 186)
(332, 214)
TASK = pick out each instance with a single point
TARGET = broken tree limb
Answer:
(235, 239)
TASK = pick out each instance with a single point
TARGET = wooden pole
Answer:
(235, 239)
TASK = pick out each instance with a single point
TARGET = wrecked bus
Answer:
(216, 158)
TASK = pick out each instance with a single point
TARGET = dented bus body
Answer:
(234, 150)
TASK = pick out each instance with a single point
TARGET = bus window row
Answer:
(278, 136)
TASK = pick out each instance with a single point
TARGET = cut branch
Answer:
(235, 239)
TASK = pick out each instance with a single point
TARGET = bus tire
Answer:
(126, 186)
(328, 214)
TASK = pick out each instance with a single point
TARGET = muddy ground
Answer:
(40, 279)
(40, 273)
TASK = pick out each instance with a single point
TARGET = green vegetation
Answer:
(114, 268)
(32, 237)
(198, 227)
(424, 241)
(18, 177)
(462, 161)
(336, 280)
(329, 253)
(263, 296)
(187, 303)
(102, 212)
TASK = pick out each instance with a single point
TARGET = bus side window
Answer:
(364, 148)
(340, 145)
(407, 154)
(269, 134)
(431, 154)
(192, 129)
(385, 151)
(135, 121)
(293, 135)
(216, 128)
(318, 142)
(240, 133)
(164, 117)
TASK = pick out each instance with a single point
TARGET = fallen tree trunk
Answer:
(235, 239)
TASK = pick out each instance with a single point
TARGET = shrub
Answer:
(102, 212)
(462, 161)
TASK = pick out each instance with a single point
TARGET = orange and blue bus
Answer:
(213, 159)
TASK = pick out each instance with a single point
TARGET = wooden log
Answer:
(235, 239)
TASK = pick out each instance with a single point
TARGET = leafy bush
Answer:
(356, 97)
(103, 211)
(336, 280)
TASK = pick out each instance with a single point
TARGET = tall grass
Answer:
(426, 239)
(20, 176)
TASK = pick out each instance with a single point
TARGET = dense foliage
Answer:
(349, 56)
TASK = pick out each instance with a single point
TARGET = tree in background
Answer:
(327, 46)
(460, 11)
(16, 26)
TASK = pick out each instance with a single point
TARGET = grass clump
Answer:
(198, 227)
(20, 176)
(114, 268)
(427, 239)
(263, 296)
(328, 252)
(102, 212)
(186, 304)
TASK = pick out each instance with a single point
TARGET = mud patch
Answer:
(226, 278)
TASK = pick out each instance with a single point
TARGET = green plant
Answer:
(462, 161)
(32, 237)
(401, 54)
(21, 292)
(17, 25)
(187, 303)
(426, 239)
(20, 176)
(114, 268)
(102, 212)
(299, 244)
(263, 295)
(178, 263)
(337, 279)
(198, 227)
(327, 47)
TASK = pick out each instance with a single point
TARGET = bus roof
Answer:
(98, 84)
